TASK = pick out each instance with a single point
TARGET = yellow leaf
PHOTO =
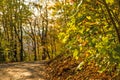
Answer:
(65, 38)
(88, 17)
(75, 54)
(110, 1)
(7, 49)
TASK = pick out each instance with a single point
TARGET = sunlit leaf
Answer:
(80, 66)
(88, 17)
(75, 54)
(65, 39)
(105, 39)
(110, 1)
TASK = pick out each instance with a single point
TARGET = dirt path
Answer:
(23, 71)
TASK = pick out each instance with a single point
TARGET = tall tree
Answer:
(14, 14)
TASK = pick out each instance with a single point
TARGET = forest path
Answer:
(24, 71)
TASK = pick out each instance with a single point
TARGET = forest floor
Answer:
(65, 68)
(24, 71)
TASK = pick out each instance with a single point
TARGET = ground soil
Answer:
(24, 71)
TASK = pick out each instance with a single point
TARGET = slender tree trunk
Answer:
(21, 35)
(112, 20)
(35, 51)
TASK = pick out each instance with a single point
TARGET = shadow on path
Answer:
(24, 71)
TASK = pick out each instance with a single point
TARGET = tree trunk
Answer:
(112, 20)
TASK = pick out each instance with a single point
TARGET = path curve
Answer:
(24, 71)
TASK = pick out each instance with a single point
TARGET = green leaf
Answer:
(102, 70)
(117, 49)
(105, 39)
(80, 19)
